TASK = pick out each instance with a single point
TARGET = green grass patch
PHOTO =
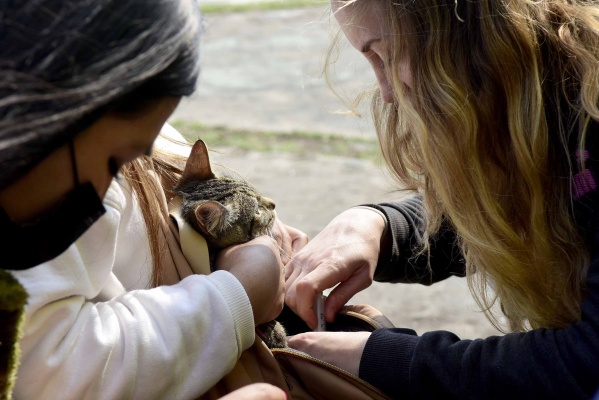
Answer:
(260, 6)
(298, 142)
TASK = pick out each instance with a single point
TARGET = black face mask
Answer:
(25, 246)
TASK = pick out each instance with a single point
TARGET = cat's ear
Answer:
(197, 167)
(210, 216)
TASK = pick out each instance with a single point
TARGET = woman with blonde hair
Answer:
(489, 112)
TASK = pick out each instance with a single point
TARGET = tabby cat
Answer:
(226, 211)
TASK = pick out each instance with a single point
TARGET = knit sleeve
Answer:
(540, 364)
(404, 262)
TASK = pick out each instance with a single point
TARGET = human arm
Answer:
(171, 341)
(258, 267)
(361, 244)
(401, 260)
(543, 363)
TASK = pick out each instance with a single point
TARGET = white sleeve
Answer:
(170, 342)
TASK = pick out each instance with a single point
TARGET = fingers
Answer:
(342, 294)
(257, 391)
(344, 253)
(298, 239)
(304, 292)
(284, 241)
(290, 239)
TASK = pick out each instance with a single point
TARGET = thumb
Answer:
(342, 294)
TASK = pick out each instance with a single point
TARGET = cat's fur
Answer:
(226, 211)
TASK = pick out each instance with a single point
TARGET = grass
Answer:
(299, 143)
(260, 6)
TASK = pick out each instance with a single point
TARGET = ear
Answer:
(210, 216)
(197, 167)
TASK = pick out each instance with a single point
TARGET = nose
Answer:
(384, 86)
(381, 77)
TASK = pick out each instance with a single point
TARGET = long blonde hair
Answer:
(499, 91)
(152, 178)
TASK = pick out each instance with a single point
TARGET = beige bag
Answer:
(300, 375)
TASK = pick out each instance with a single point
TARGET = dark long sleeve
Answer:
(540, 364)
(543, 363)
(403, 261)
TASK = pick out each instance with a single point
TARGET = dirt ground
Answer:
(260, 72)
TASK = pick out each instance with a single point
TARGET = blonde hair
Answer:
(485, 132)
(152, 179)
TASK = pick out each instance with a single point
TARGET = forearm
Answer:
(138, 345)
(439, 365)
(543, 363)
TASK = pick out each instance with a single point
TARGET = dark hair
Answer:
(64, 63)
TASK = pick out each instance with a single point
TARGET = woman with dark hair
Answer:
(85, 87)
(488, 111)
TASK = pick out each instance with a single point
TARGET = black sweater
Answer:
(540, 364)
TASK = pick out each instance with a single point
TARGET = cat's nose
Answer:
(268, 203)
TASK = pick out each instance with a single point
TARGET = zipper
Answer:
(298, 354)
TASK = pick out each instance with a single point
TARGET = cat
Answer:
(226, 211)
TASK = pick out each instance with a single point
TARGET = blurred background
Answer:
(265, 109)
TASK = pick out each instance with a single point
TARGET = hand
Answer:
(289, 239)
(342, 349)
(257, 265)
(257, 391)
(345, 252)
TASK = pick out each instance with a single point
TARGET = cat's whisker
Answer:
(292, 262)
(232, 171)
(284, 253)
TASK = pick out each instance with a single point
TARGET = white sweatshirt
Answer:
(93, 330)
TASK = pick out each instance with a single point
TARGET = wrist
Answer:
(239, 306)
(383, 218)
(384, 237)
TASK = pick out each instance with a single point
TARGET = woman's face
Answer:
(366, 32)
(110, 142)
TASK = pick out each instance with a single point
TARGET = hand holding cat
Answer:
(346, 251)
(289, 239)
(258, 267)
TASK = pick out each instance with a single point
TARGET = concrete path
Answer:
(262, 70)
